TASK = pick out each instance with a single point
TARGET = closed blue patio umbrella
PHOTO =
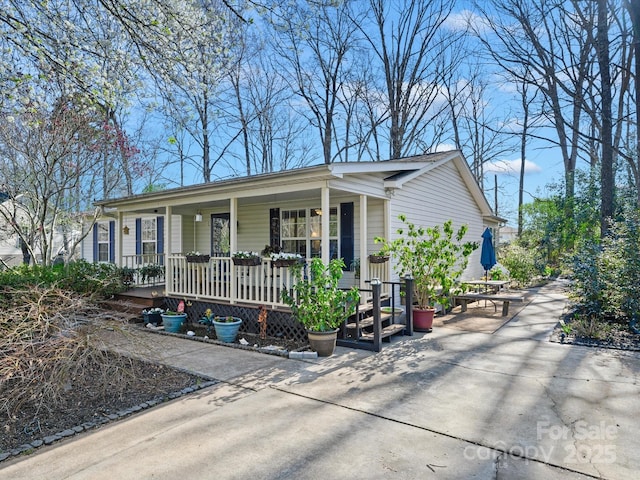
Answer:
(488, 254)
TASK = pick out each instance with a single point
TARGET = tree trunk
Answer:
(606, 167)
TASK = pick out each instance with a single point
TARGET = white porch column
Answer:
(168, 228)
(324, 205)
(386, 228)
(364, 261)
(120, 240)
(233, 244)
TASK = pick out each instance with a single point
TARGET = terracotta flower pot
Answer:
(423, 319)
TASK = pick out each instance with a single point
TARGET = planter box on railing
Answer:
(285, 262)
(247, 261)
(378, 258)
(198, 258)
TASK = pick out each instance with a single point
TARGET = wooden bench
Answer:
(464, 298)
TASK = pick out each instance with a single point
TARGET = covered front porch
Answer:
(317, 213)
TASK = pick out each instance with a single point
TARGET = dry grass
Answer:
(47, 339)
(57, 372)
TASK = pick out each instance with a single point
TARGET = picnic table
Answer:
(493, 286)
(492, 291)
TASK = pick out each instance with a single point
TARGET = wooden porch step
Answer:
(147, 297)
(368, 321)
(387, 331)
(133, 310)
(365, 307)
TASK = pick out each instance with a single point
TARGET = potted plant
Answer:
(435, 257)
(319, 304)
(247, 259)
(379, 257)
(226, 328)
(283, 259)
(269, 249)
(152, 315)
(151, 271)
(127, 275)
(173, 321)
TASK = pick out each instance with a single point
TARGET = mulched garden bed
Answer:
(85, 407)
(619, 337)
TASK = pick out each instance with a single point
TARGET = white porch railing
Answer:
(146, 269)
(220, 279)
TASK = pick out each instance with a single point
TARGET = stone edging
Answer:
(49, 439)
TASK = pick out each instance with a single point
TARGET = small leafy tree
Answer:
(435, 257)
(317, 302)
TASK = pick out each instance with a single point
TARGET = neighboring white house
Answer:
(287, 209)
(11, 210)
(508, 235)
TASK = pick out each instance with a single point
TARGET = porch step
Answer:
(386, 331)
(149, 297)
(368, 321)
(363, 328)
(134, 310)
(139, 303)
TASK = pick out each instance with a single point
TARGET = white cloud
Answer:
(444, 147)
(511, 167)
(463, 20)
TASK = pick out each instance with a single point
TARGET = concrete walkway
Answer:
(448, 405)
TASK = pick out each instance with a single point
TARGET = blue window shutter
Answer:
(160, 237)
(138, 239)
(346, 233)
(95, 242)
(112, 241)
(274, 227)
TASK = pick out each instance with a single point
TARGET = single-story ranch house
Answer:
(327, 211)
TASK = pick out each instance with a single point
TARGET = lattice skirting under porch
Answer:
(279, 324)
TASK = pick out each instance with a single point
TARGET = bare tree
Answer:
(480, 123)
(405, 38)
(189, 69)
(634, 12)
(317, 42)
(50, 168)
(557, 52)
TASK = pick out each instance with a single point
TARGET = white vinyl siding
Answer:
(443, 196)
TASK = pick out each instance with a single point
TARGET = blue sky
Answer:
(543, 166)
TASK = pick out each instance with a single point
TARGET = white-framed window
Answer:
(103, 241)
(149, 239)
(301, 232)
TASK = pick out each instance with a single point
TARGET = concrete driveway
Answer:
(452, 404)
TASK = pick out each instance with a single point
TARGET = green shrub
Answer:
(101, 279)
(606, 276)
(520, 263)
(95, 279)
